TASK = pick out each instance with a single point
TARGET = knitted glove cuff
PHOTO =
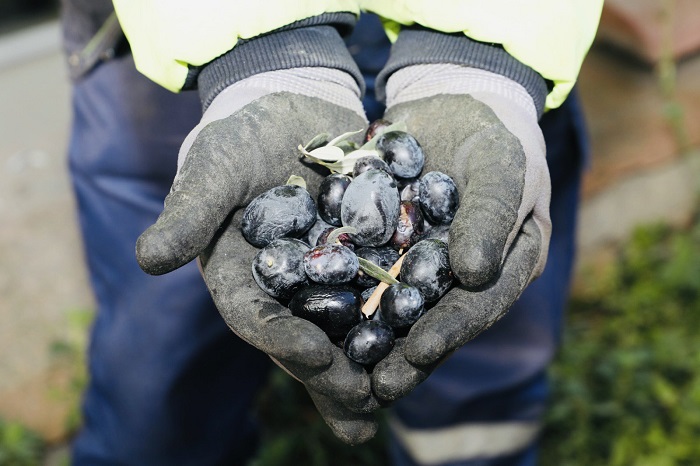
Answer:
(419, 46)
(287, 48)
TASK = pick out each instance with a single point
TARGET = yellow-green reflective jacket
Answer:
(550, 36)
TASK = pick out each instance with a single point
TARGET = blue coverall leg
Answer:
(486, 401)
(169, 383)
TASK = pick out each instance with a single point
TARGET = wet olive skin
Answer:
(401, 306)
(438, 197)
(278, 268)
(375, 127)
(410, 228)
(427, 267)
(335, 309)
(370, 162)
(371, 205)
(331, 264)
(283, 211)
(369, 342)
(330, 196)
(402, 153)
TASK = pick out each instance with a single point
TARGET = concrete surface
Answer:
(41, 273)
(666, 193)
(637, 175)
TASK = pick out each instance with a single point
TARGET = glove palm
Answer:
(245, 145)
(480, 129)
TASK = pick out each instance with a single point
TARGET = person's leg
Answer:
(169, 383)
(483, 406)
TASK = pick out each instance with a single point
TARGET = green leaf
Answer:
(343, 137)
(347, 146)
(317, 141)
(373, 270)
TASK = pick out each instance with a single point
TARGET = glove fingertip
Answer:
(395, 377)
(350, 427)
(388, 389)
(355, 432)
(474, 265)
(426, 347)
(154, 254)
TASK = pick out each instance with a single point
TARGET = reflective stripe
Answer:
(465, 441)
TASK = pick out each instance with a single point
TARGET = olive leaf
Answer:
(373, 270)
(335, 159)
(343, 137)
(296, 181)
(338, 155)
(317, 141)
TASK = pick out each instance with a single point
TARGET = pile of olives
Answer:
(335, 259)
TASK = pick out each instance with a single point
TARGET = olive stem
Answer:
(335, 234)
(373, 301)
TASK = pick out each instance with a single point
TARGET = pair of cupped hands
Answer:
(477, 127)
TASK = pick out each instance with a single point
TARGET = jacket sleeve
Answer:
(550, 36)
(168, 38)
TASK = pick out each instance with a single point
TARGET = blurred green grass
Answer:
(626, 384)
(19, 446)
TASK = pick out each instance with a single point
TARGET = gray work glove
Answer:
(482, 130)
(246, 144)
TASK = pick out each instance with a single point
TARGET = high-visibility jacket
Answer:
(550, 36)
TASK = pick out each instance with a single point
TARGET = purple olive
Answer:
(371, 205)
(370, 162)
(438, 197)
(401, 305)
(409, 189)
(331, 264)
(344, 238)
(316, 230)
(283, 211)
(409, 230)
(278, 268)
(427, 267)
(369, 342)
(375, 127)
(402, 153)
(334, 309)
(330, 195)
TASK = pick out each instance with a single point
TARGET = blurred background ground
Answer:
(626, 385)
